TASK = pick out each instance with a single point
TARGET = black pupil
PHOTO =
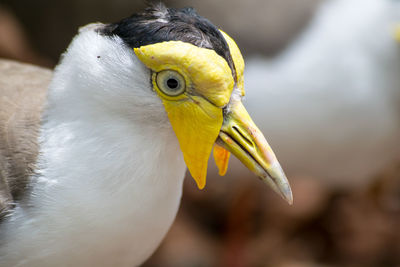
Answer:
(172, 83)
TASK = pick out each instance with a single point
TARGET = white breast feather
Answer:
(111, 170)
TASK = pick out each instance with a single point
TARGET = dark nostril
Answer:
(248, 141)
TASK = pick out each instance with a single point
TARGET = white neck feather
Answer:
(109, 182)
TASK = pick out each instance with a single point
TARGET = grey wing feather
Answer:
(23, 90)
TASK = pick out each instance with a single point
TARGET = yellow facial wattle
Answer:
(196, 86)
(221, 156)
(195, 114)
(237, 61)
(206, 73)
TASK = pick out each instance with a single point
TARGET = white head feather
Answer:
(110, 165)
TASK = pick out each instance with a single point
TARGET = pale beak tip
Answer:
(277, 180)
(286, 194)
(282, 189)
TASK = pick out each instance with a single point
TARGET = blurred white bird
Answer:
(330, 103)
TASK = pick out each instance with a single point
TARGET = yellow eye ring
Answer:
(171, 82)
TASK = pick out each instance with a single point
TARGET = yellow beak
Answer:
(242, 138)
(199, 118)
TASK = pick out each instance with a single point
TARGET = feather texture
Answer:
(110, 171)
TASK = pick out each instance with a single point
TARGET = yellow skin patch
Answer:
(221, 157)
(195, 84)
(196, 125)
(195, 115)
(206, 73)
(237, 60)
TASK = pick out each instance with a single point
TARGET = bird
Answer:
(130, 105)
(335, 91)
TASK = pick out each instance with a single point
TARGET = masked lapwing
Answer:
(129, 107)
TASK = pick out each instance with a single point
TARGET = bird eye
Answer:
(170, 82)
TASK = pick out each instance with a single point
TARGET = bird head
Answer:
(196, 72)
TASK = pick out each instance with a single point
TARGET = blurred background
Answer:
(323, 83)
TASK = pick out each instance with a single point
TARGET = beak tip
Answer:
(288, 196)
(284, 190)
(278, 181)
